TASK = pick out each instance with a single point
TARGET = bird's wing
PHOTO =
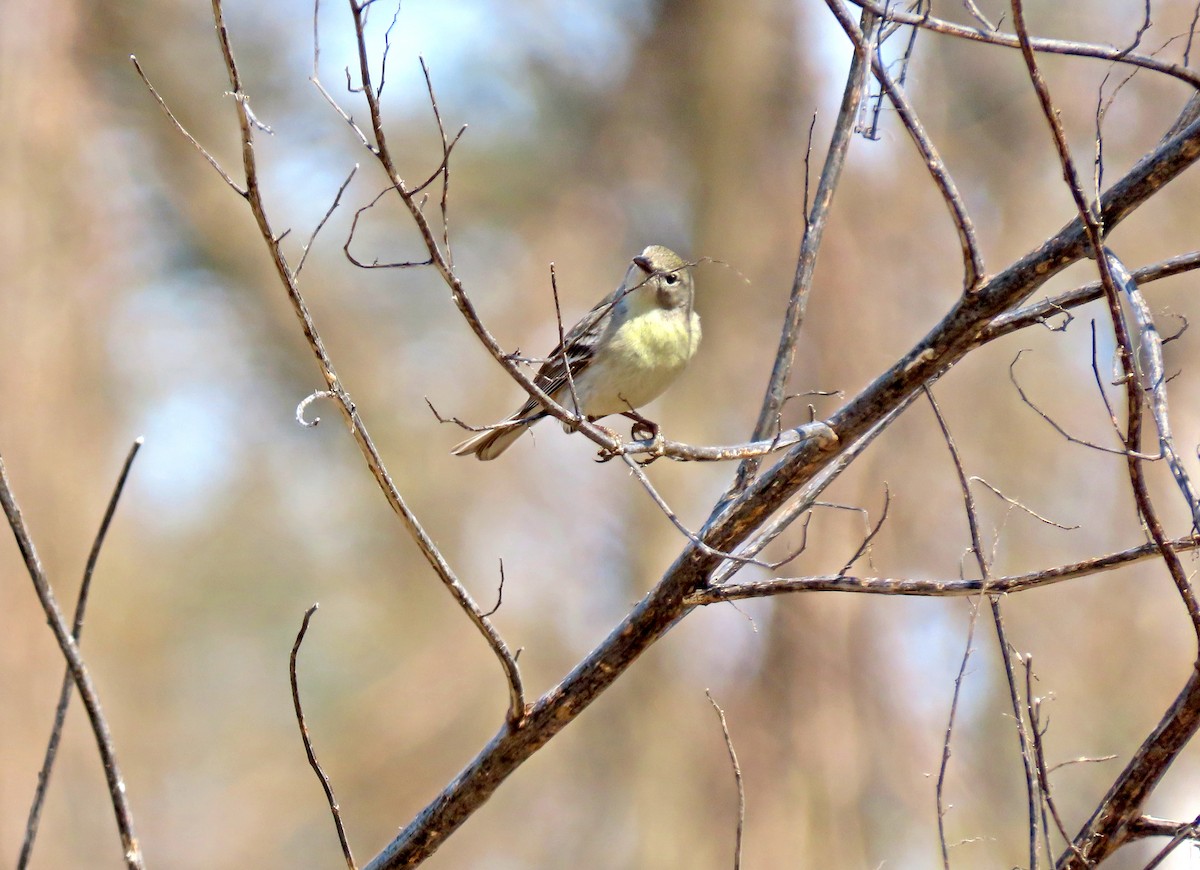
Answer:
(581, 344)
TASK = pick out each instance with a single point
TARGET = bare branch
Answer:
(814, 229)
(737, 777)
(79, 672)
(447, 145)
(1006, 652)
(334, 809)
(68, 682)
(940, 790)
(1012, 375)
(212, 161)
(1037, 731)
(328, 214)
(973, 268)
(1045, 46)
(933, 588)
(1021, 507)
(358, 431)
(1154, 381)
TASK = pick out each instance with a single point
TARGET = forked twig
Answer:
(253, 195)
(1006, 651)
(973, 268)
(927, 588)
(1104, 831)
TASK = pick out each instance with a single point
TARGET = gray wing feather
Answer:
(581, 344)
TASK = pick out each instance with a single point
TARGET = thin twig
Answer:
(434, 557)
(973, 268)
(499, 593)
(212, 161)
(320, 224)
(865, 546)
(815, 221)
(940, 788)
(79, 672)
(1044, 46)
(1036, 730)
(446, 147)
(1006, 654)
(737, 778)
(68, 682)
(1022, 507)
(1012, 376)
(568, 369)
(334, 809)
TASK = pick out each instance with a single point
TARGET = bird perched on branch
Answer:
(624, 353)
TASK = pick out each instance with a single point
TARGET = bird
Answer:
(622, 354)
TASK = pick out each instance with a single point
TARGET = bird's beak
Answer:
(644, 264)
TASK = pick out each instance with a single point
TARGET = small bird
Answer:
(624, 353)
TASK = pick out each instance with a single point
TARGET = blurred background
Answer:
(137, 298)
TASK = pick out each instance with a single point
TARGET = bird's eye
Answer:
(671, 278)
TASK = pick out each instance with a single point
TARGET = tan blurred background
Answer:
(136, 298)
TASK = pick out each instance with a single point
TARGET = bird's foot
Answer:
(643, 429)
(604, 454)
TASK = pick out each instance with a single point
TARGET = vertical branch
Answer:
(311, 753)
(814, 230)
(1006, 654)
(1108, 826)
(940, 790)
(737, 778)
(79, 671)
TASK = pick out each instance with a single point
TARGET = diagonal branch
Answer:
(1106, 829)
(68, 681)
(667, 603)
(358, 429)
(973, 268)
(79, 672)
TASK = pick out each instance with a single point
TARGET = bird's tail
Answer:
(490, 444)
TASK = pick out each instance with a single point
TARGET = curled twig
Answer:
(303, 407)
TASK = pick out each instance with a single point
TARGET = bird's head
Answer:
(666, 274)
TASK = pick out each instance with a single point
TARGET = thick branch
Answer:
(948, 342)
